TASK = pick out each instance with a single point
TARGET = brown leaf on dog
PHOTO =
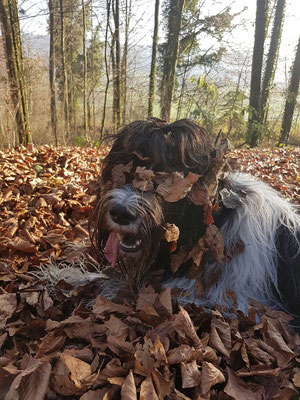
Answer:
(190, 374)
(174, 186)
(197, 251)
(128, 391)
(179, 258)
(210, 376)
(143, 179)
(198, 195)
(172, 233)
(214, 241)
(118, 174)
(208, 217)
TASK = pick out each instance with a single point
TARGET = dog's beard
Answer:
(129, 232)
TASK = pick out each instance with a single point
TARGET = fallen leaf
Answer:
(128, 391)
(147, 391)
(210, 376)
(190, 374)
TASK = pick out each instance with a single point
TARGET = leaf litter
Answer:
(56, 345)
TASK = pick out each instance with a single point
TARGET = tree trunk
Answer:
(291, 98)
(170, 56)
(254, 123)
(108, 4)
(272, 58)
(52, 71)
(152, 77)
(124, 59)
(117, 66)
(9, 19)
(85, 124)
(64, 73)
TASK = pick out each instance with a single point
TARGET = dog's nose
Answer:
(121, 215)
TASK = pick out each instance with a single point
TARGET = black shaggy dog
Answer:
(151, 160)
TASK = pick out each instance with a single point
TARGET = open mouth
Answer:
(116, 242)
(129, 244)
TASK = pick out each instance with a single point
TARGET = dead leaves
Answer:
(143, 350)
(46, 198)
(278, 167)
(71, 376)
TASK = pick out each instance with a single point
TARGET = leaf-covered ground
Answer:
(54, 345)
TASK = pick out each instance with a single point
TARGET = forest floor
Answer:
(53, 346)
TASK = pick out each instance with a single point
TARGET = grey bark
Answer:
(291, 98)
(272, 58)
(254, 122)
(52, 71)
(170, 57)
(10, 27)
(152, 77)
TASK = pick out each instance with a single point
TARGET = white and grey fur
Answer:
(252, 274)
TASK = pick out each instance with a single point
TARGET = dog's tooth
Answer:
(119, 237)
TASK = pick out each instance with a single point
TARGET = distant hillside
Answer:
(36, 45)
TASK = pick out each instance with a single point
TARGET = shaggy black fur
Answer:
(137, 219)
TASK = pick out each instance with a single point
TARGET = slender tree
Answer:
(117, 64)
(85, 123)
(10, 27)
(152, 77)
(254, 122)
(272, 58)
(291, 98)
(52, 70)
(107, 72)
(64, 72)
(170, 56)
(128, 11)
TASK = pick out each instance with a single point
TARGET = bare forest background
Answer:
(101, 64)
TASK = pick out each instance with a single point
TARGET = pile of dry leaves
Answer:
(55, 343)
(278, 167)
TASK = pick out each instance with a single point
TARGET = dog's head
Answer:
(151, 182)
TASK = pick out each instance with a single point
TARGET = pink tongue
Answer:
(111, 250)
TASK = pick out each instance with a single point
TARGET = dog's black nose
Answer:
(121, 215)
